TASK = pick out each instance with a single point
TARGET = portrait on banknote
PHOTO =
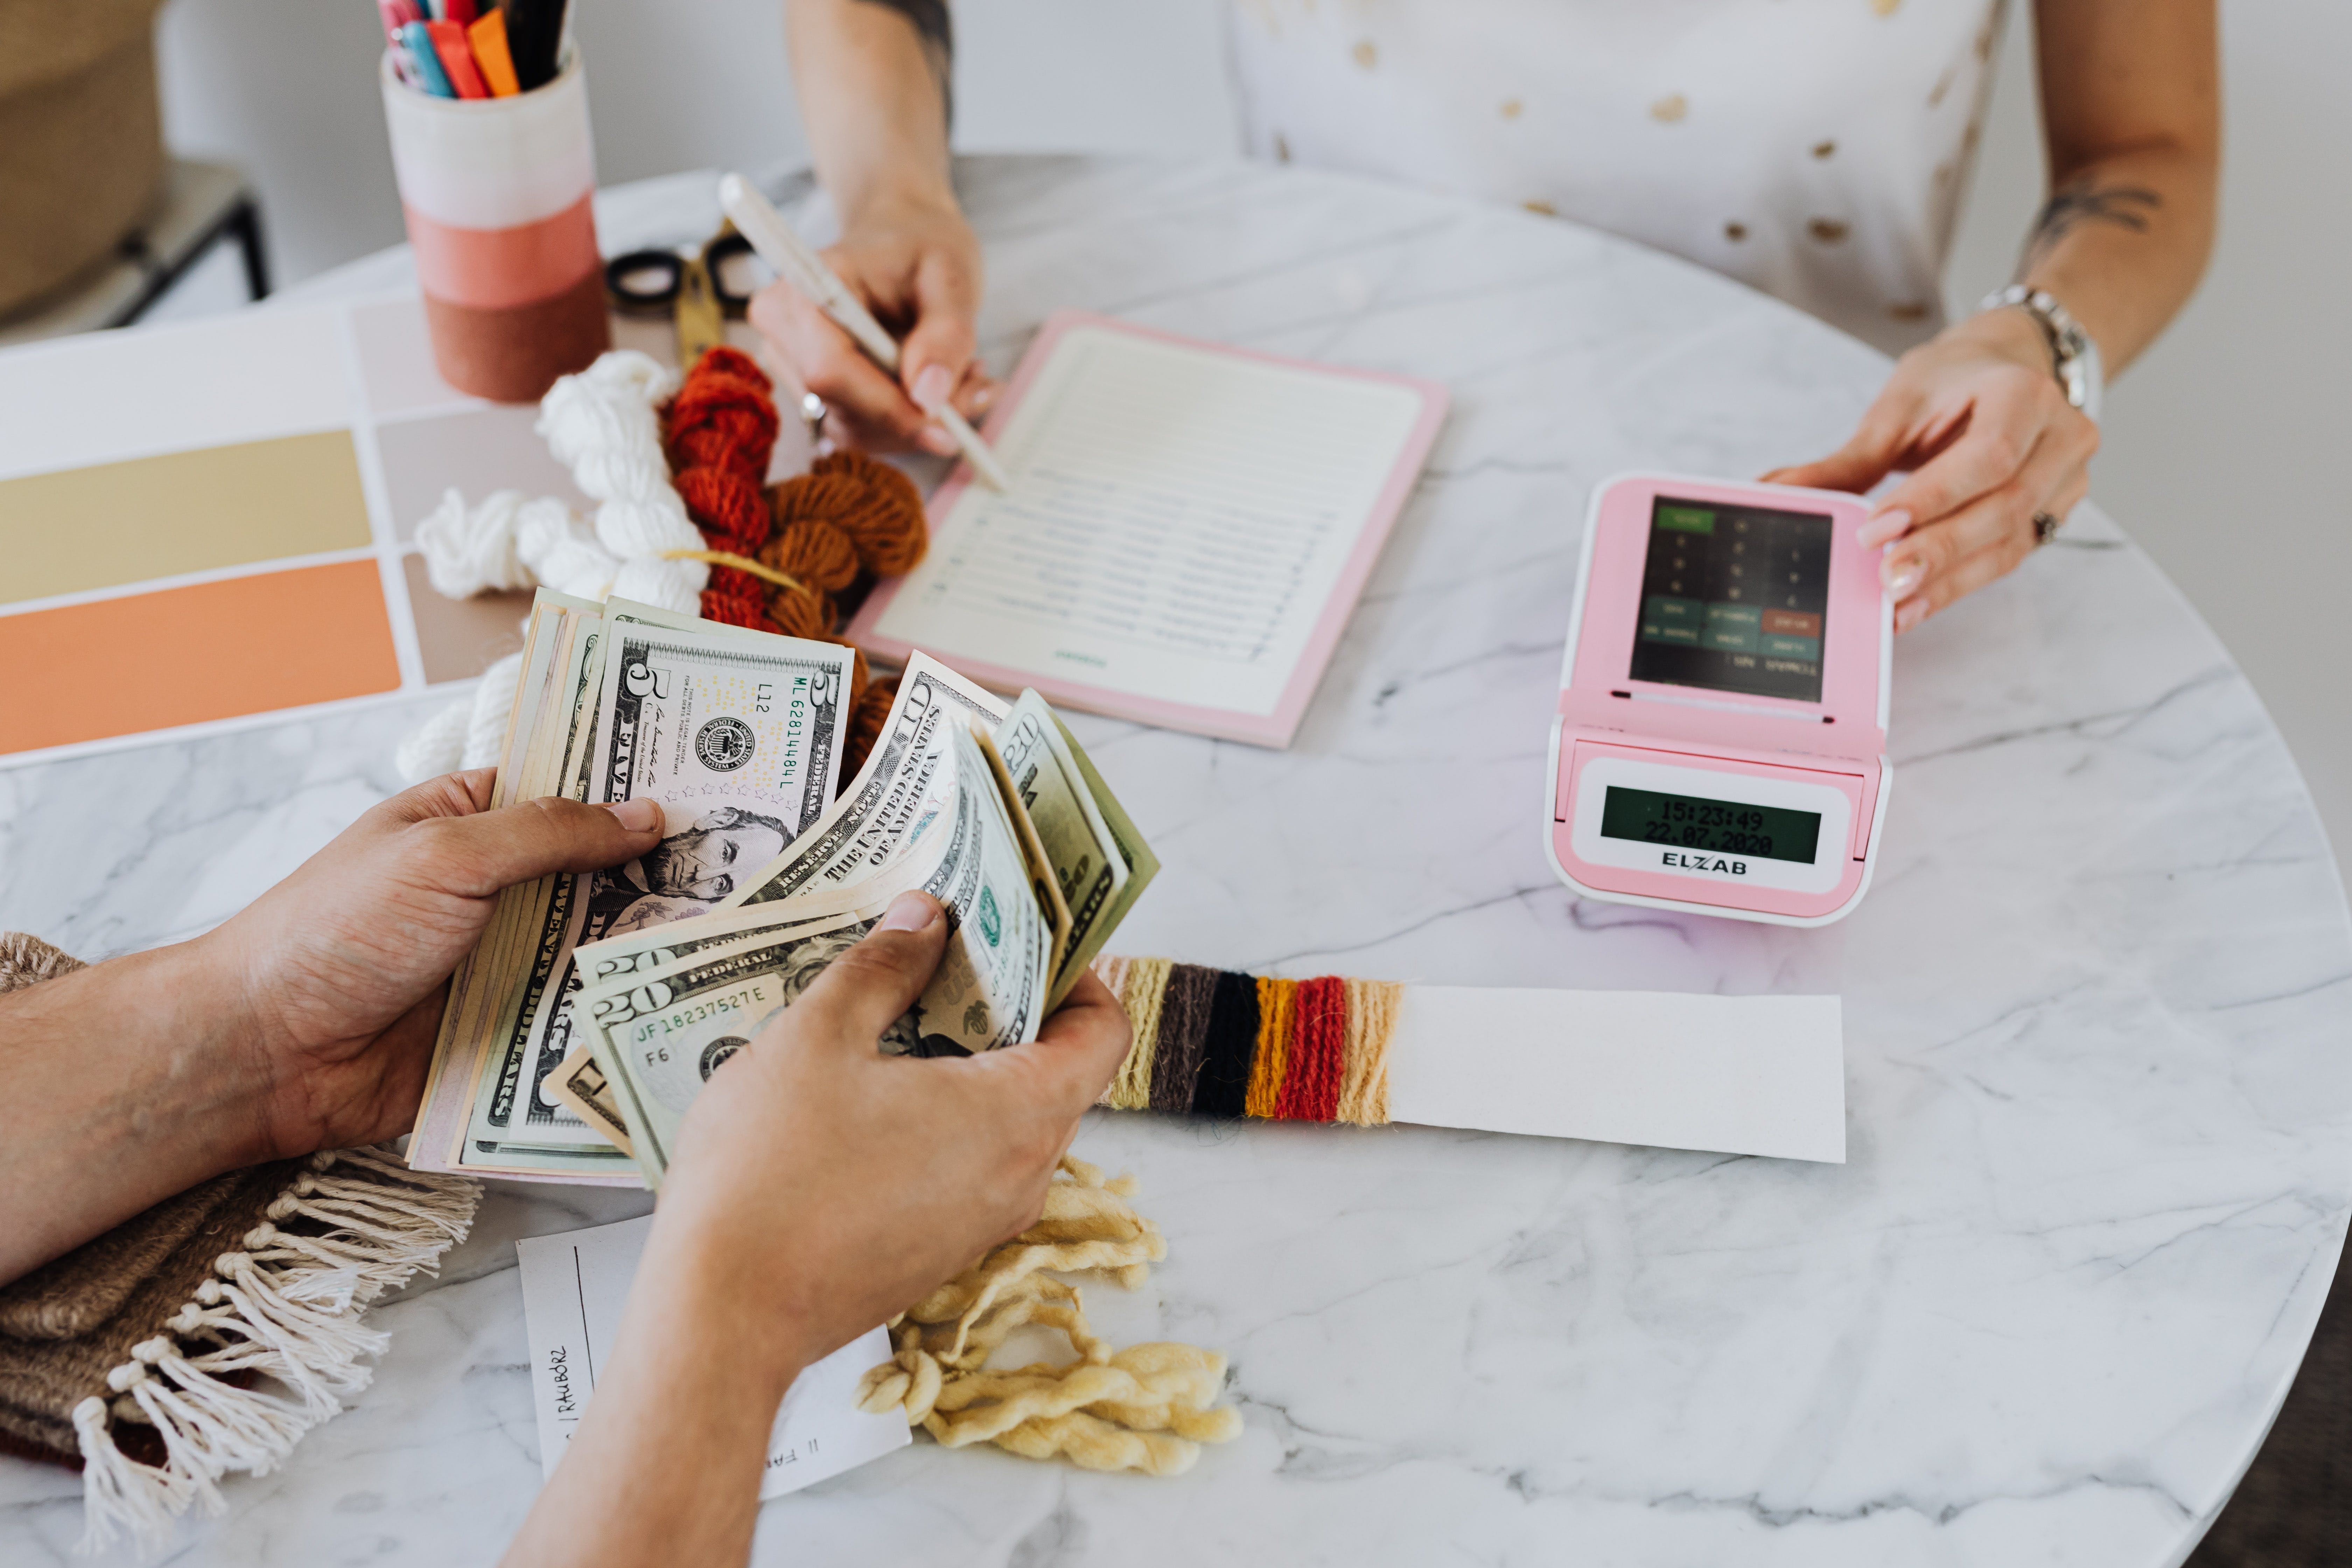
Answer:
(689, 872)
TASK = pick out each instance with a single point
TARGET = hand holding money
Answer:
(900, 1170)
(827, 1189)
(303, 1023)
(344, 960)
(584, 1027)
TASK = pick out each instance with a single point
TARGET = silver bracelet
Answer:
(2073, 357)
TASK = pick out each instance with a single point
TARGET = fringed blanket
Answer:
(210, 1332)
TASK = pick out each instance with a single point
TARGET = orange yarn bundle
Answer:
(865, 723)
(875, 506)
(849, 513)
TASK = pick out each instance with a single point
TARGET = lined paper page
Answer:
(1178, 521)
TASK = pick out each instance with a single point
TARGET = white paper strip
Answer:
(1734, 1075)
(573, 1287)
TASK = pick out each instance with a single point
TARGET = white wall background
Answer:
(2223, 446)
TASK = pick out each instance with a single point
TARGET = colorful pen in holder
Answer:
(497, 194)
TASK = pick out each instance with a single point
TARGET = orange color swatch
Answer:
(182, 655)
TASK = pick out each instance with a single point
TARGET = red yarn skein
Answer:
(723, 418)
(718, 433)
(1318, 1051)
(736, 599)
(731, 511)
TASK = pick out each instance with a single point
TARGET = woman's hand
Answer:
(820, 1188)
(305, 1022)
(916, 264)
(833, 1186)
(1988, 440)
(341, 970)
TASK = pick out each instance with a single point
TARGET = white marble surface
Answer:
(2096, 1004)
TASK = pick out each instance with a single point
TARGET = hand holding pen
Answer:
(919, 270)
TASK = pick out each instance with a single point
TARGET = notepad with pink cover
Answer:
(1188, 527)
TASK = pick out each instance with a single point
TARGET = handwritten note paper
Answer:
(573, 1287)
(1180, 519)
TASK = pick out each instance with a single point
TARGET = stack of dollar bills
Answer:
(597, 1003)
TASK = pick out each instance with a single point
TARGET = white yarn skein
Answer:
(436, 747)
(466, 734)
(601, 426)
(486, 723)
(562, 551)
(470, 553)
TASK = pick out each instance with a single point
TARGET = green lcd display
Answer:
(1734, 598)
(1720, 826)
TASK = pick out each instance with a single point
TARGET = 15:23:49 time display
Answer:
(1728, 828)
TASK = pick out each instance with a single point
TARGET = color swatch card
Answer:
(212, 525)
(573, 1288)
(1188, 529)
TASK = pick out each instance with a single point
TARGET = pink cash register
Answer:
(1722, 726)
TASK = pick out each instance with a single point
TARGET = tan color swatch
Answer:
(460, 638)
(117, 523)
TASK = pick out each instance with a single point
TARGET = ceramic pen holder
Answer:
(498, 195)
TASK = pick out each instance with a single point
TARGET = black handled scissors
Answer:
(689, 289)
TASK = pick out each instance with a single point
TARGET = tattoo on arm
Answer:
(932, 24)
(2085, 200)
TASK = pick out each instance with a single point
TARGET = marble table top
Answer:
(2100, 1103)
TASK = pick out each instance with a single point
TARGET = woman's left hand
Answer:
(1988, 440)
(342, 969)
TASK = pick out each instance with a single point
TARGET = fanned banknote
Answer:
(1089, 868)
(762, 878)
(906, 782)
(737, 733)
(663, 1021)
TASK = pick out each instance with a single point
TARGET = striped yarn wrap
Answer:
(1183, 1036)
(1143, 983)
(1223, 1044)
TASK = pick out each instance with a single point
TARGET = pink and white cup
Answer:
(499, 196)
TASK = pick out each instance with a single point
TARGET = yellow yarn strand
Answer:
(741, 563)
(1147, 985)
(1111, 971)
(1275, 1000)
(1371, 1024)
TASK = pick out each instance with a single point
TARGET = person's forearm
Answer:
(126, 1083)
(872, 101)
(2121, 244)
(665, 1465)
(2132, 114)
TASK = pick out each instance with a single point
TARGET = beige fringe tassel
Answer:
(286, 1307)
(1148, 1407)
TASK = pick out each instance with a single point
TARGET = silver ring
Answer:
(812, 412)
(2045, 528)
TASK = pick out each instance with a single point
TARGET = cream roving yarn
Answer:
(602, 425)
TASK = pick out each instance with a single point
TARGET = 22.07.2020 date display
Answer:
(1690, 822)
